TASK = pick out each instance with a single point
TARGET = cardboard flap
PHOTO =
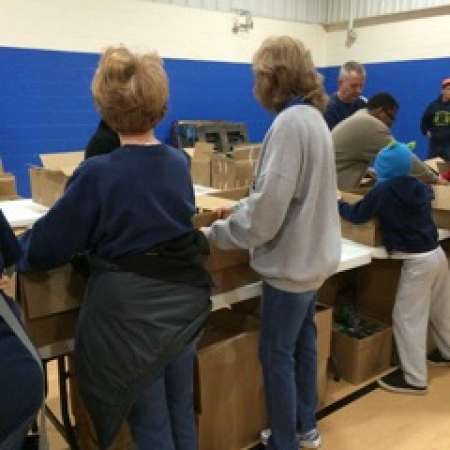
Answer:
(207, 203)
(433, 163)
(64, 162)
(203, 150)
(246, 152)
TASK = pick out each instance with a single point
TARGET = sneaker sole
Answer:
(399, 390)
(311, 444)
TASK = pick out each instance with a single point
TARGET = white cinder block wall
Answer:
(420, 38)
(174, 31)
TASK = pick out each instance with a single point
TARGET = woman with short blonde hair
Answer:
(148, 294)
(290, 222)
(283, 69)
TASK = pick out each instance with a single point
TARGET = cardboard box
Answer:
(236, 169)
(358, 360)
(210, 203)
(367, 233)
(50, 302)
(433, 163)
(220, 259)
(231, 194)
(230, 384)
(233, 277)
(201, 163)
(441, 205)
(8, 189)
(49, 181)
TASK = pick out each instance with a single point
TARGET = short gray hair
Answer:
(352, 66)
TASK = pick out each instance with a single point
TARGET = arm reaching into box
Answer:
(258, 218)
(65, 230)
(364, 210)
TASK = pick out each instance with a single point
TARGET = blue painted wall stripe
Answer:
(46, 105)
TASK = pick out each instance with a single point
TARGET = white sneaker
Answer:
(311, 439)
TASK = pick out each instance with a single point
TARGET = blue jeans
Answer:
(288, 358)
(163, 417)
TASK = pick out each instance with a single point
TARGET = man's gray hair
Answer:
(351, 66)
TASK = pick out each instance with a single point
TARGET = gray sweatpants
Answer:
(423, 297)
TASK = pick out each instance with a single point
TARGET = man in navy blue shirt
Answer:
(348, 99)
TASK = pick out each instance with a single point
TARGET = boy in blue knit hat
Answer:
(402, 205)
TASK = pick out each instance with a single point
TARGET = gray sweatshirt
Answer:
(290, 221)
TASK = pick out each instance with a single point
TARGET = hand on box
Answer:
(5, 282)
(442, 180)
(223, 213)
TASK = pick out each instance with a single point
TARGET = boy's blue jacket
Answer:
(403, 207)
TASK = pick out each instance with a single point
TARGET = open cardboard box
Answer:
(441, 205)
(358, 360)
(49, 181)
(236, 169)
(201, 156)
(367, 233)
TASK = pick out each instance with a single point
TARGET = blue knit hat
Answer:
(392, 161)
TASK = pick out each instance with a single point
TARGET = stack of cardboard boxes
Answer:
(224, 171)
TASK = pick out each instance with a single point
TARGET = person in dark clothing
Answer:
(348, 98)
(148, 296)
(435, 123)
(402, 204)
(103, 141)
(21, 379)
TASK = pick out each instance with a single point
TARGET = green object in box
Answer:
(347, 320)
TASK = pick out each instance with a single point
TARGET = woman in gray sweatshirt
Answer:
(290, 224)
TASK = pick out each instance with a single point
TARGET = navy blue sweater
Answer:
(21, 383)
(337, 110)
(117, 204)
(403, 207)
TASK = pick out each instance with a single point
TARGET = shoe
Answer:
(395, 382)
(311, 439)
(436, 359)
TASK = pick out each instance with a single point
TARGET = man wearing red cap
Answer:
(436, 123)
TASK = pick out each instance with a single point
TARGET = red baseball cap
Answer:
(445, 82)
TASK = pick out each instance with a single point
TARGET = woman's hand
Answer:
(5, 282)
(223, 213)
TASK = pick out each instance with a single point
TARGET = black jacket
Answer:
(436, 119)
(103, 141)
(403, 207)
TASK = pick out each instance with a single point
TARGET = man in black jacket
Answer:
(436, 123)
(103, 141)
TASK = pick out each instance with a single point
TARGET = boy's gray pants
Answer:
(423, 297)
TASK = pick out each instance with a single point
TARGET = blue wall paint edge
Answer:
(47, 107)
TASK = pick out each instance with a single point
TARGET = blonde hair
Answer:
(283, 70)
(130, 90)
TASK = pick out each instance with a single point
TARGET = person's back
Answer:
(359, 138)
(356, 141)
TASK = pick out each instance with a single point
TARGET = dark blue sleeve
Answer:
(67, 229)
(364, 210)
(331, 117)
(9, 247)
